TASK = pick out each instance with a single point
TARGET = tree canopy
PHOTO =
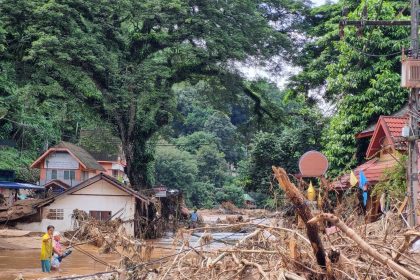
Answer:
(123, 58)
(167, 79)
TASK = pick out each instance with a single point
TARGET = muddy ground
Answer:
(20, 250)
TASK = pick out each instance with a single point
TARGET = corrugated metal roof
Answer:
(90, 181)
(15, 185)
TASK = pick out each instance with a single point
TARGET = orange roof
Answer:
(373, 170)
(368, 132)
(388, 128)
(395, 124)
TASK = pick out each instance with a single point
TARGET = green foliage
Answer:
(100, 139)
(219, 125)
(20, 162)
(123, 59)
(193, 142)
(393, 180)
(361, 86)
(282, 148)
(176, 169)
(231, 193)
(203, 195)
(212, 166)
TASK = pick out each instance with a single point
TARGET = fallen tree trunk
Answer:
(364, 245)
(298, 200)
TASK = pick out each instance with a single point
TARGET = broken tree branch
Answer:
(363, 244)
(258, 266)
(298, 200)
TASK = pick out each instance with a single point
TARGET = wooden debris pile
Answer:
(352, 249)
(109, 236)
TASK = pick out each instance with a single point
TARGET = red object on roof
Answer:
(373, 170)
(387, 131)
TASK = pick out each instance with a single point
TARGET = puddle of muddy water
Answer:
(13, 262)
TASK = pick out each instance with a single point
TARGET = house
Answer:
(382, 154)
(113, 163)
(101, 196)
(384, 145)
(11, 191)
(67, 163)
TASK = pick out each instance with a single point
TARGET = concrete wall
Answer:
(100, 196)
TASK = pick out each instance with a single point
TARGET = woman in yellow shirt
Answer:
(46, 249)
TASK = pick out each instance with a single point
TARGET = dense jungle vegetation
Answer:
(167, 78)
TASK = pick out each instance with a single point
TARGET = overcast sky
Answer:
(318, 2)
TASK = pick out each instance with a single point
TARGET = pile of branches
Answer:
(378, 250)
(270, 252)
(348, 249)
(109, 236)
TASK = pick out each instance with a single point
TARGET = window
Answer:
(100, 215)
(69, 175)
(55, 214)
(54, 174)
(85, 175)
(114, 173)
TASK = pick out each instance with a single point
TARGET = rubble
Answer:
(20, 209)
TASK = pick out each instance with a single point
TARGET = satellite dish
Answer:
(313, 164)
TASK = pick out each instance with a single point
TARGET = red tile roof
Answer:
(395, 124)
(388, 128)
(373, 170)
(368, 132)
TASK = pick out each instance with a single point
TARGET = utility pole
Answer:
(413, 105)
(413, 101)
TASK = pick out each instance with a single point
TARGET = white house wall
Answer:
(100, 196)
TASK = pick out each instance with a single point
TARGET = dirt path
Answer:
(20, 243)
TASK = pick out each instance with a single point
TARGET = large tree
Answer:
(124, 57)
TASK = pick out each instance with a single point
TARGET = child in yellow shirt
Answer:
(47, 249)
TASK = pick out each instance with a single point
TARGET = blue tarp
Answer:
(15, 185)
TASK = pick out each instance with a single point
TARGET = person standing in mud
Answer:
(194, 218)
(47, 249)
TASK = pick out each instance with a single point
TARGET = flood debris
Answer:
(109, 236)
(330, 246)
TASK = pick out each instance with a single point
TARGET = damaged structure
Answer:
(102, 197)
